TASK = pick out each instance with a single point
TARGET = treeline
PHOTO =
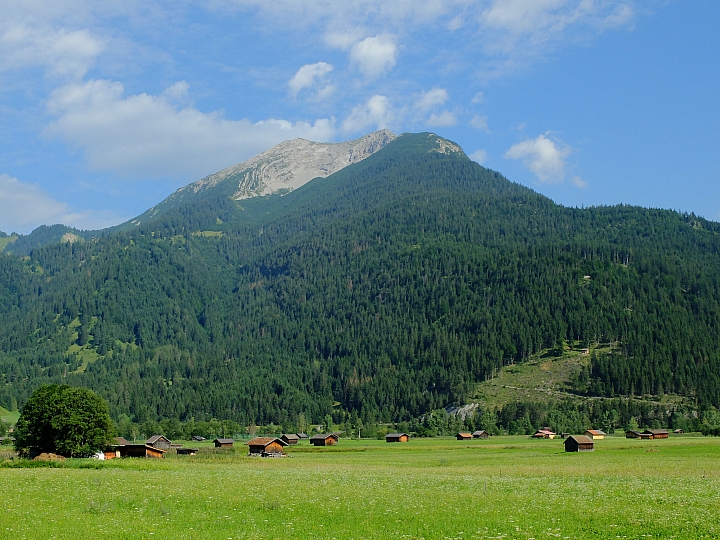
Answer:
(388, 290)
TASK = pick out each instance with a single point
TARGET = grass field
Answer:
(507, 487)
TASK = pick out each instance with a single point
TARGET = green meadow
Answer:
(505, 487)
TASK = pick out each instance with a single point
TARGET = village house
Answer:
(579, 443)
(397, 437)
(324, 439)
(266, 447)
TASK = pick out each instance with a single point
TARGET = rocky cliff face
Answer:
(281, 169)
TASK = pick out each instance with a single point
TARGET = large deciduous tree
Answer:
(73, 422)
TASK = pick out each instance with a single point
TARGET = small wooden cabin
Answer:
(140, 450)
(224, 443)
(302, 436)
(679, 431)
(186, 451)
(579, 443)
(657, 433)
(634, 434)
(198, 438)
(119, 441)
(463, 436)
(595, 434)
(544, 434)
(290, 438)
(481, 434)
(266, 447)
(159, 441)
(397, 437)
(324, 439)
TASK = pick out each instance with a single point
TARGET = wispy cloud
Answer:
(543, 156)
(377, 112)
(308, 76)
(148, 136)
(375, 56)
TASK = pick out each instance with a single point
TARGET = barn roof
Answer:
(581, 439)
(595, 431)
(292, 436)
(656, 431)
(479, 432)
(323, 436)
(121, 441)
(302, 436)
(264, 441)
(224, 441)
(156, 438)
(395, 435)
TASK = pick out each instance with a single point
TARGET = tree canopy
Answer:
(65, 420)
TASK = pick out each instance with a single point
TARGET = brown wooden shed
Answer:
(159, 441)
(463, 436)
(579, 443)
(657, 433)
(397, 437)
(544, 434)
(324, 439)
(140, 450)
(634, 434)
(290, 438)
(481, 434)
(186, 451)
(266, 446)
(224, 443)
(595, 434)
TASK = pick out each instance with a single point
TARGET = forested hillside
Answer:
(386, 290)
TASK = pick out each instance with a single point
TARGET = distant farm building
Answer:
(397, 437)
(657, 433)
(121, 440)
(595, 434)
(679, 431)
(140, 450)
(463, 436)
(481, 434)
(266, 447)
(198, 438)
(302, 436)
(290, 438)
(634, 434)
(159, 441)
(544, 434)
(224, 443)
(579, 443)
(324, 439)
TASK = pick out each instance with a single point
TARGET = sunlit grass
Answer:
(508, 487)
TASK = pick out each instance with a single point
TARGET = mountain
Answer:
(281, 169)
(45, 235)
(385, 290)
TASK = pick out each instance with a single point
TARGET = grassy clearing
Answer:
(4, 242)
(507, 487)
(11, 417)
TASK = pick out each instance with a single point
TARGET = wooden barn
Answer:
(224, 443)
(595, 434)
(463, 436)
(121, 440)
(657, 433)
(290, 438)
(481, 434)
(544, 434)
(634, 434)
(302, 436)
(397, 437)
(140, 450)
(186, 451)
(579, 443)
(159, 441)
(324, 439)
(266, 447)
(679, 431)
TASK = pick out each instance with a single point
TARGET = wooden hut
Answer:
(224, 443)
(140, 450)
(119, 441)
(463, 436)
(595, 434)
(324, 439)
(186, 451)
(397, 437)
(290, 438)
(657, 433)
(679, 431)
(579, 443)
(159, 441)
(302, 436)
(266, 447)
(481, 434)
(544, 434)
(634, 434)
(198, 438)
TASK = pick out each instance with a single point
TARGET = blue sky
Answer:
(107, 106)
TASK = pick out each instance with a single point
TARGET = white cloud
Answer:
(579, 182)
(375, 55)
(479, 156)
(308, 75)
(62, 53)
(478, 98)
(23, 207)
(480, 122)
(443, 119)
(377, 112)
(431, 99)
(543, 156)
(150, 136)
